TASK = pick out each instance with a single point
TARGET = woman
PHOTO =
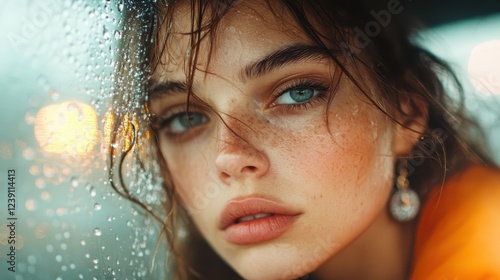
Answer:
(313, 139)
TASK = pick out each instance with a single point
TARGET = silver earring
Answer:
(404, 204)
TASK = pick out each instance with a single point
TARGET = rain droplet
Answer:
(95, 261)
(49, 248)
(97, 206)
(74, 182)
(58, 258)
(92, 192)
(87, 255)
(97, 232)
(83, 242)
(118, 35)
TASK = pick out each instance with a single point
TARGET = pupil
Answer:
(301, 95)
(190, 119)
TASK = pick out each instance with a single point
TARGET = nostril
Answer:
(224, 175)
(249, 168)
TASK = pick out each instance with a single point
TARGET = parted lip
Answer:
(249, 206)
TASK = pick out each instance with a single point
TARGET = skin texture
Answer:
(337, 175)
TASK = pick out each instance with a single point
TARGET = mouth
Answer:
(255, 219)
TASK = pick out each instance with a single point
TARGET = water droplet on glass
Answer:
(97, 206)
(92, 192)
(97, 232)
(83, 242)
(118, 35)
(87, 255)
(74, 182)
(49, 248)
(95, 261)
(58, 258)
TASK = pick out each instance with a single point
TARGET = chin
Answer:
(261, 265)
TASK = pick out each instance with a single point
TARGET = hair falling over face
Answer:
(279, 128)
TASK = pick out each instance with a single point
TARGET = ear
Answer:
(412, 124)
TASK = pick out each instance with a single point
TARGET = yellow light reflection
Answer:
(123, 134)
(67, 128)
(484, 67)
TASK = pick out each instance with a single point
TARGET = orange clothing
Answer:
(458, 235)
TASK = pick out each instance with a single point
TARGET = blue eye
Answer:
(182, 122)
(297, 95)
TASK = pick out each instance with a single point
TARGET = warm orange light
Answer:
(124, 134)
(67, 128)
(484, 67)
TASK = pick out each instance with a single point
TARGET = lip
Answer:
(257, 230)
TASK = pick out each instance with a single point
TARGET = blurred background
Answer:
(57, 60)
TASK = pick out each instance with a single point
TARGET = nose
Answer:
(238, 159)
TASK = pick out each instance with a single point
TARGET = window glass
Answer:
(63, 219)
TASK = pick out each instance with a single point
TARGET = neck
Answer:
(383, 251)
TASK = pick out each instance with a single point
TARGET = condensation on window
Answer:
(63, 220)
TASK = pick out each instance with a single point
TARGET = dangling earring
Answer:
(404, 204)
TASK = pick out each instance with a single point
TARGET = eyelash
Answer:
(301, 84)
(162, 122)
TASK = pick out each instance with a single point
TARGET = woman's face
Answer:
(278, 189)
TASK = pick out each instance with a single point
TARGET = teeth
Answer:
(253, 217)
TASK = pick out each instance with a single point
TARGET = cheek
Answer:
(189, 177)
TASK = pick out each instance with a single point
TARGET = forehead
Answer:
(248, 31)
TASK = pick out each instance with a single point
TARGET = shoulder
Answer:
(458, 235)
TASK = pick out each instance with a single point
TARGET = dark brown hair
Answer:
(398, 70)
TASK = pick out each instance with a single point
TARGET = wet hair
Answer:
(407, 80)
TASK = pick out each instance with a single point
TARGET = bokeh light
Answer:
(484, 67)
(66, 128)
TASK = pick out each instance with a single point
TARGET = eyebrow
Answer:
(282, 57)
(277, 59)
(168, 88)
